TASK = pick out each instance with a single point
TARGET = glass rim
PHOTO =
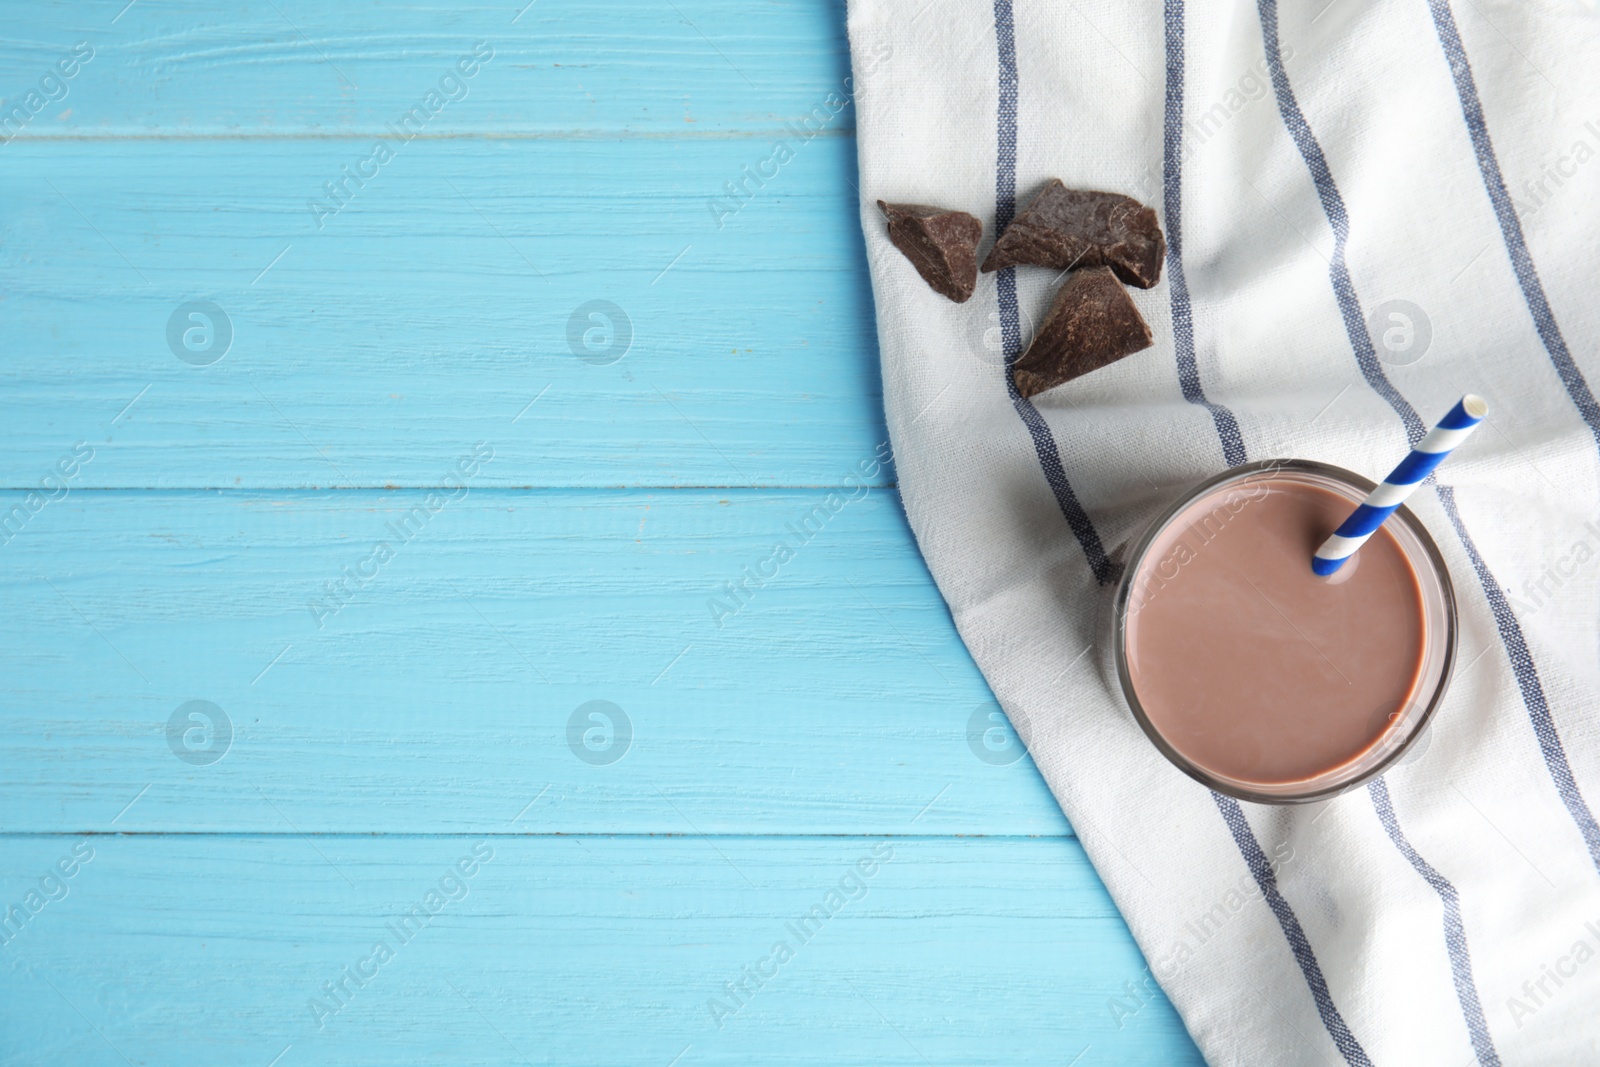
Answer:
(1159, 524)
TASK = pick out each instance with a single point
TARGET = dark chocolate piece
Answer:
(1091, 323)
(942, 245)
(1066, 228)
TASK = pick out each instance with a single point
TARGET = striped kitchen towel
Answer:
(1370, 210)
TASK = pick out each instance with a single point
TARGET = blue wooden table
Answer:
(400, 416)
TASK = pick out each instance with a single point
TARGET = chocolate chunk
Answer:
(942, 245)
(1091, 323)
(1065, 228)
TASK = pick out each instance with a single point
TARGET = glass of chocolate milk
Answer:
(1257, 677)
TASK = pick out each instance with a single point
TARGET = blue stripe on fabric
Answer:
(1455, 931)
(1005, 177)
(1233, 450)
(1550, 745)
(1333, 207)
(1415, 467)
(1544, 727)
(1172, 196)
(1350, 308)
(1267, 882)
(1527, 675)
(1544, 319)
(1044, 442)
(1364, 520)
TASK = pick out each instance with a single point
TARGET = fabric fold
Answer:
(1314, 171)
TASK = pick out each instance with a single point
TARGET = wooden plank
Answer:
(597, 950)
(430, 313)
(837, 699)
(190, 68)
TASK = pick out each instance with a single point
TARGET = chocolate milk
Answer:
(1248, 664)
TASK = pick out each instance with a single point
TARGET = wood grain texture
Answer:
(171, 524)
(566, 950)
(837, 699)
(589, 67)
(430, 312)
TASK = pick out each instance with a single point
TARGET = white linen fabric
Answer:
(1371, 209)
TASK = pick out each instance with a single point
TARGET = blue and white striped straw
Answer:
(1381, 502)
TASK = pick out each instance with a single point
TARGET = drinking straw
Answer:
(1381, 502)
